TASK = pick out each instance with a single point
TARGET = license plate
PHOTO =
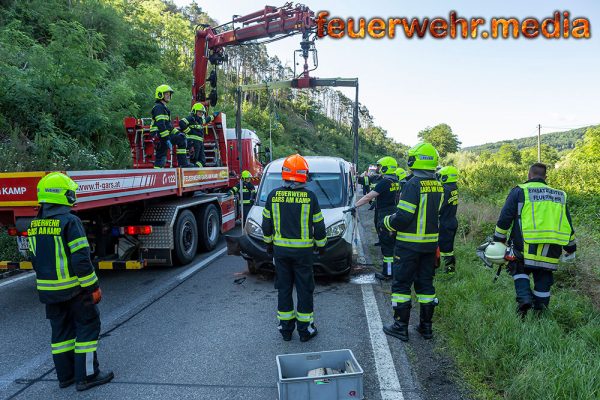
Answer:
(23, 243)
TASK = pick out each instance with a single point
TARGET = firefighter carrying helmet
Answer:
(495, 252)
(295, 169)
(159, 94)
(423, 156)
(57, 188)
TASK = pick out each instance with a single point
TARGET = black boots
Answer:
(425, 316)
(449, 264)
(522, 309)
(310, 333)
(100, 379)
(399, 328)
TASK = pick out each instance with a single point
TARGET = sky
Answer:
(486, 90)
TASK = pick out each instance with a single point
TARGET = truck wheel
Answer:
(186, 237)
(210, 227)
(252, 267)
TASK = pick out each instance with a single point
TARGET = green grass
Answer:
(554, 356)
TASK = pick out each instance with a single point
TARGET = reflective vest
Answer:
(544, 215)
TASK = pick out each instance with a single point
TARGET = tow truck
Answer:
(145, 216)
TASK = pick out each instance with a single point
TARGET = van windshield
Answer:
(327, 187)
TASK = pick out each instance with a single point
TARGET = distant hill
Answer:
(559, 140)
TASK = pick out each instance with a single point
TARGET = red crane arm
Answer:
(270, 22)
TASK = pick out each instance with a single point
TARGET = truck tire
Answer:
(210, 227)
(186, 237)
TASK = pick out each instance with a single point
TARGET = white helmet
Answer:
(495, 252)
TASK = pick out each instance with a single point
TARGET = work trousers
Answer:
(161, 152)
(198, 154)
(295, 271)
(542, 282)
(75, 330)
(386, 241)
(446, 241)
(411, 267)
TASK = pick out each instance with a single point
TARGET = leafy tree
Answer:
(442, 138)
(508, 154)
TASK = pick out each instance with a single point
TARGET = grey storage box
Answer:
(295, 384)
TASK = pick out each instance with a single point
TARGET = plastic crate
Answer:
(294, 384)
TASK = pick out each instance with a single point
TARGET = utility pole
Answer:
(540, 143)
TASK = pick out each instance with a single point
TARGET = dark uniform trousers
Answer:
(413, 267)
(299, 270)
(542, 282)
(198, 153)
(386, 241)
(75, 330)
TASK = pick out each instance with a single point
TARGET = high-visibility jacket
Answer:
(416, 221)
(161, 121)
(539, 222)
(248, 192)
(292, 220)
(60, 255)
(388, 188)
(193, 126)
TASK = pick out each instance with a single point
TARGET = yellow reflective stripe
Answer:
(451, 253)
(276, 219)
(186, 130)
(400, 298)
(501, 231)
(408, 237)
(195, 137)
(268, 239)
(78, 244)
(318, 217)
(293, 243)
(321, 243)
(162, 117)
(185, 121)
(181, 151)
(86, 347)
(62, 270)
(164, 134)
(406, 206)
(386, 223)
(304, 214)
(266, 213)
(32, 243)
(421, 221)
(305, 317)
(51, 285)
(62, 347)
(425, 298)
(285, 315)
(88, 280)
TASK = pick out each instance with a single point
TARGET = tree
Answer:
(508, 154)
(442, 138)
(529, 155)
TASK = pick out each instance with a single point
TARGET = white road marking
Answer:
(27, 275)
(389, 384)
(200, 265)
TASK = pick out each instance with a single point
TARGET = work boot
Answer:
(399, 328)
(100, 379)
(310, 333)
(450, 264)
(522, 309)
(425, 316)
(67, 383)
(286, 335)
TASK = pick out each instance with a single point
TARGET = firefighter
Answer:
(385, 195)
(448, 176)
(193, 127)
(248, 192)
(402, 177)
(416, 226)
(161, 124)
(364, 181)
(293, 225)
(544, 230)
(67, 284)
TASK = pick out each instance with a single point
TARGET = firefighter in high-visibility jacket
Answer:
(293, 226)
(248, 192)
(193, 126)
(385, 196)
(415, 226)
(540, 229)
(67, 283)
(161, 124)
(448, 176)
(364, 181)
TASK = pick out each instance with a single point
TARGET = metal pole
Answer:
(355, 129)
(238, 133)
(540, 143)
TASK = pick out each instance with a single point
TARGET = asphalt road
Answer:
(204, 331)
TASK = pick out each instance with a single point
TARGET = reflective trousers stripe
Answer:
(62, 347)
(520, 276)
(425, 298)
(285, 315)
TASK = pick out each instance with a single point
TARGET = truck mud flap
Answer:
(234, 247)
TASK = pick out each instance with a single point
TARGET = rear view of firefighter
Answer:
(67, 284)
(293, 226)
(193, 127)
(385, 195)
(541, 229)
(161, 123)
(448, 176)
(416, 227)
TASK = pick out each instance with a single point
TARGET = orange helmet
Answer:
(295, 168)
